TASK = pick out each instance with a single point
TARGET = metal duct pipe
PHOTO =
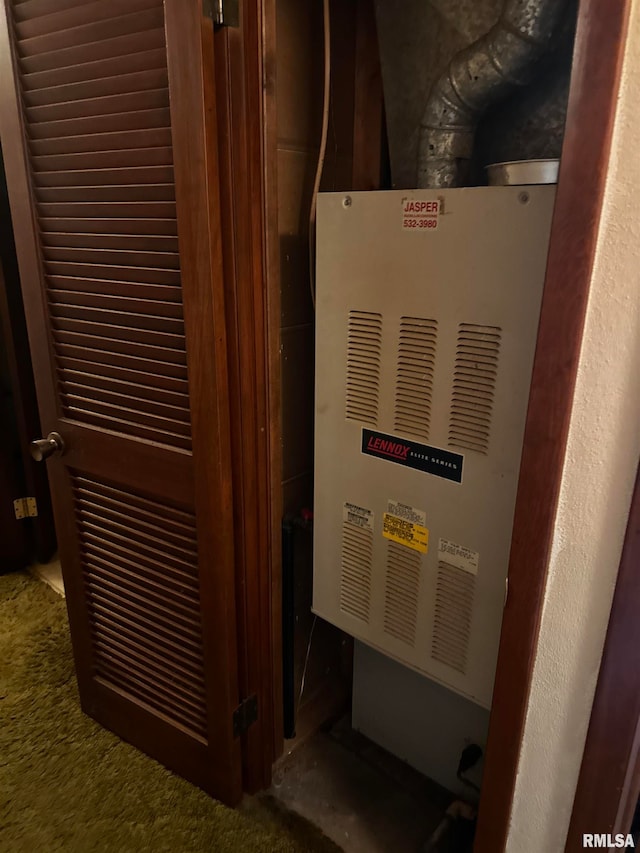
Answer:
(481, 75)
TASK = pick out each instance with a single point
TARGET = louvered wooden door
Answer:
(109, 133)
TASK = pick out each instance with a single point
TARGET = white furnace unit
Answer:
(427, 313)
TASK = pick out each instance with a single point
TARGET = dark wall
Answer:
(21, 540)
(299, 39)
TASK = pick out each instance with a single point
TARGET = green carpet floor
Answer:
(66, 784)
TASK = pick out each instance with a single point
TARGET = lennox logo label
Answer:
(394, 449)
(421, 457)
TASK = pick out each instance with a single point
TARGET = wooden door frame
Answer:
(609, 780)
(597, 64)
(244, 62)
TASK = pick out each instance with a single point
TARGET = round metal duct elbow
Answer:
(476, 78)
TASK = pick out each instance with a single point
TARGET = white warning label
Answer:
(458, 556)
(359, 516)
(407, 513)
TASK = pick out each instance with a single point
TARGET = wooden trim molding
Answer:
(595, 79)
(273, 367)
(239, 74)
(608, 784)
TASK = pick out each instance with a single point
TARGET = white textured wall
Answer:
(602, 456)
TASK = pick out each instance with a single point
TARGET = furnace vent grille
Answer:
(363, 366)
(401, 596)
(473, 386)
(453, 613)
(414, 383)
(355, 585)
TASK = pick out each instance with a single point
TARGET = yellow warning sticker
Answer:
(405, 532)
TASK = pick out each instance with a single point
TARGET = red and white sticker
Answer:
(420, 214)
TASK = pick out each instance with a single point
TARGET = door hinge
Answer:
(224, 13)
(245, 714)
(25, 508)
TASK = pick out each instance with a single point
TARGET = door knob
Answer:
(43, 448)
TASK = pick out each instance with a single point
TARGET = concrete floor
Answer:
(363, 799)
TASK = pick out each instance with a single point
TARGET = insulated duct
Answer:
(476, 78)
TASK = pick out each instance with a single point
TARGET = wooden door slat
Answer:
(114, 315)
(183, 550)
(90, 301)
(97, 107)
(116, 338)
(25, 10)
(123, 547)
(164, 585)
(177, 620)
(60, 16)
(135, 400)
(153, 698)
(89, 53)
(156, 695)
(67, 46)
(147, 393)
(143, 595)
(110, 272)
(119, 413)
(171, 630)
(142, 584)
(114, 195)
(88, 72)
(123, 624)
(124, 140)
(99, 550)
(112, 350)
(163, 696)
(140, 378)
(83, 350)
(151, 686)
(109, 414)
(174, 662)
(104, 240)
(129, 319)
(160, 155)
(186, 692)
(123, 227)
(114, 258)
(147, 616)
(125, 427)
(127, 631)
(91, 92)
(109, 209)
(115, 289)
(137, 176)
(138, 119)
(145, 653)
(168, 517)
(109, 509)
